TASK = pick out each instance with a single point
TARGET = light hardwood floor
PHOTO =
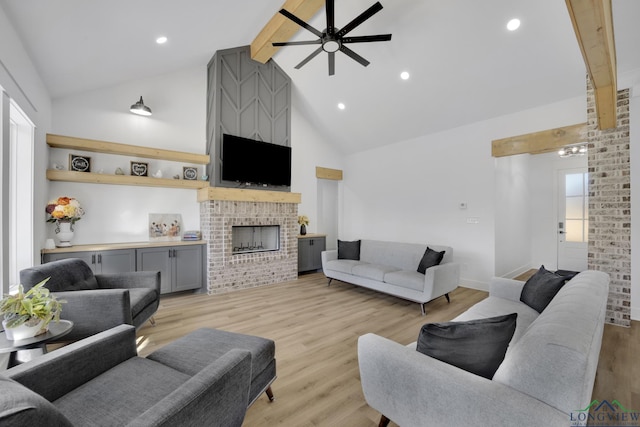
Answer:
(316, 328)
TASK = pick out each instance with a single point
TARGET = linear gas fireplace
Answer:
(255, 238)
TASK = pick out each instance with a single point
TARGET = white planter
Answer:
(23, 331)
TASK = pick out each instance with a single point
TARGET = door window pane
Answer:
(575, 208)
(573, 184)
(574, 230)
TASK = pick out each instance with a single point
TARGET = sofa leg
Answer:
(270, 394)
(423, 311)
(329, 283)
(384, 421)
(447, 297)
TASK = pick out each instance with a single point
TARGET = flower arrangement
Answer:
(64, 209)
(30, 307)
(303, 220)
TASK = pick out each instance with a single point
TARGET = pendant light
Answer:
(140, 109)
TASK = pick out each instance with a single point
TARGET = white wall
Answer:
(178, 101)
(20, 80)
(410, 191)
(513, 231)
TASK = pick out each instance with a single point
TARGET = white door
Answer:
(573, 219)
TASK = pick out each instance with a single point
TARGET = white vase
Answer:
(23, 331)
(64, 231)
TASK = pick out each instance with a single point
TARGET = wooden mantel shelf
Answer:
(243, 195)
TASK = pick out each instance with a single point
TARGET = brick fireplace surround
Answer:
(223, 208)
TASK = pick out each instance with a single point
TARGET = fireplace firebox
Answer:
(255, 238)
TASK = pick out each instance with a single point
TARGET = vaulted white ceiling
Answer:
(464, 64)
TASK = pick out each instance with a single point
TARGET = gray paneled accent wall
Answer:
(245, 98)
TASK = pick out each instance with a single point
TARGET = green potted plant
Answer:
(27, 314)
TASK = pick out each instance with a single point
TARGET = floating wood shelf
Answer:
(92, 145)
(143, 181)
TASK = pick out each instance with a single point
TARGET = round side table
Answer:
(56, 331)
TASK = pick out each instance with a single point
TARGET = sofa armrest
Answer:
(57, 373)
(95, 310)
(505, 288)
(442, 278)
(409, 387)
(218, 395)
(130, 280)
(327, 256)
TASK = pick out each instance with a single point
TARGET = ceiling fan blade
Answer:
(353, 55)
(300, 22)
(360, 19)
(332, 63)
(330, 11)
(309, 58)
(364, 39)
(297, 43)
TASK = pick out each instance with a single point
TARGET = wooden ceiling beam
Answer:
(544, 141)
(281, 29)
(593, 24)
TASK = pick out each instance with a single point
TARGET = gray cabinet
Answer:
(101, 262)
(309, 253)
(181, 267)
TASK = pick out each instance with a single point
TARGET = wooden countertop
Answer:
(129, 245)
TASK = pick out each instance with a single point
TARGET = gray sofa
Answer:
(548, 371)
(98, 302)
(391, 267)
(100, 381)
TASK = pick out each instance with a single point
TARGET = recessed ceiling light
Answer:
(341, 106)
(161, 40)
(513, 25)
(404, 75)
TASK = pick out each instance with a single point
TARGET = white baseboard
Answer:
(518, 271)
(474, 284)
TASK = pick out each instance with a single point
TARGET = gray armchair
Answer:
(100, 381)
(98, 302)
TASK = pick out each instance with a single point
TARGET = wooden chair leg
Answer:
(384, 421)
(270, 394)
(152, 320)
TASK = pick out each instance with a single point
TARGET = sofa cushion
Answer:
(429, 259)
(405, 279)
(20, 406)
(540, 289)
(343, 265)
(113, 399)
(477, 346)
(496, 306)
(349, 250)
(372, 271)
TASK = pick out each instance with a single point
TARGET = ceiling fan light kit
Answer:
(332, 39)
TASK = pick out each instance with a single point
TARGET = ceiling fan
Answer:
(333, 39)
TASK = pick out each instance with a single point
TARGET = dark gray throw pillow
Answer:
(349, 250)
(429, 259)
(540, 289)
(477, 346)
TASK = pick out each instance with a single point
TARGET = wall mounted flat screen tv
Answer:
(246, 160)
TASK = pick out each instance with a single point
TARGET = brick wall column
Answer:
(610, 205)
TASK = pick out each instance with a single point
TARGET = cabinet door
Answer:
(187, 264)
(118, 261)
(317, 246)
(88, 257)
(156, 259)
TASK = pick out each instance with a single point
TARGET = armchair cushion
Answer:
(23, 407)
(141, 298)
(70, 274)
